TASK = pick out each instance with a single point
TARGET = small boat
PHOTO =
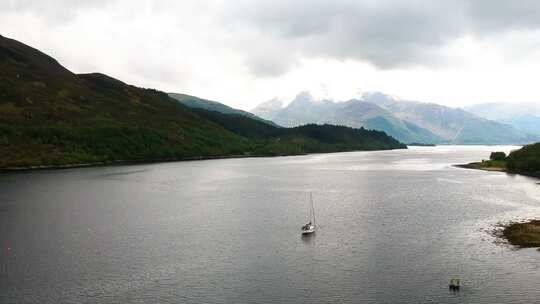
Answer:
(309, 228)
(455, 284)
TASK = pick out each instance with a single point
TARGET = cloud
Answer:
(244, 51)
(388, 34)
(273, 36)
(492, 16)
(53, 12)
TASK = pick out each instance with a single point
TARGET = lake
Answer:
(393, 227)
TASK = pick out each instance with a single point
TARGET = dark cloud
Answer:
(388, 34)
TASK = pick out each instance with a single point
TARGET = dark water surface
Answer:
(394, 227)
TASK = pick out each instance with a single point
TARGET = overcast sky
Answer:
(244, 52)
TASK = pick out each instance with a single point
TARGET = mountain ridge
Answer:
(211, 105)
(408, 121)
(523, 116)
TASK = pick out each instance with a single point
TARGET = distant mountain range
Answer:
(407, 121)
(52, 117)
(523, 116)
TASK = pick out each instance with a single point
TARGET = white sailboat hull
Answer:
(310, 230)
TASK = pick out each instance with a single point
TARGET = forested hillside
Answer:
(50, 116)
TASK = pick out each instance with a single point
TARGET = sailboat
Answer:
(309, 228)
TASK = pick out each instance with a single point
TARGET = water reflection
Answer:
(308, 238)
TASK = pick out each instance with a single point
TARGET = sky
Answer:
(245, 52)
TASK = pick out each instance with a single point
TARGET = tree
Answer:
(497, 156)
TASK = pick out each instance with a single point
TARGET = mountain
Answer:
(199, 103)
(371, 116)
(50, 116)
(523, 116)
(268, 109)
(353, 113)
(451, 125)
(407, 121)
(528, 123)
(501, 110)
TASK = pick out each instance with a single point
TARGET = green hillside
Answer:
(525, 160)
(210, 105)
(308, 138)
(50, 116)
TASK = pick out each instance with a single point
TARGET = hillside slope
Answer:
(50, 116)
(210, 105)
(525, 160)
(307, 138)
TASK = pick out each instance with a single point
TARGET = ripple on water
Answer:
(393, 227)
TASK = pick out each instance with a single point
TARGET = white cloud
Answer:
(244, 52)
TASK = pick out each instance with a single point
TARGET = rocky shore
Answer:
(523, 235)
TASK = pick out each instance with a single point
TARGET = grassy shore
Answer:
(486, 165)
(498, 166)
(523, 235)
(524, 161)
(131, 162)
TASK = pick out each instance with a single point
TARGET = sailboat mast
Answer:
(312, 208)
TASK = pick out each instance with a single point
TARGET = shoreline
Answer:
(126, 163)
(480, 166)
(7, 170)
(522, 234)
